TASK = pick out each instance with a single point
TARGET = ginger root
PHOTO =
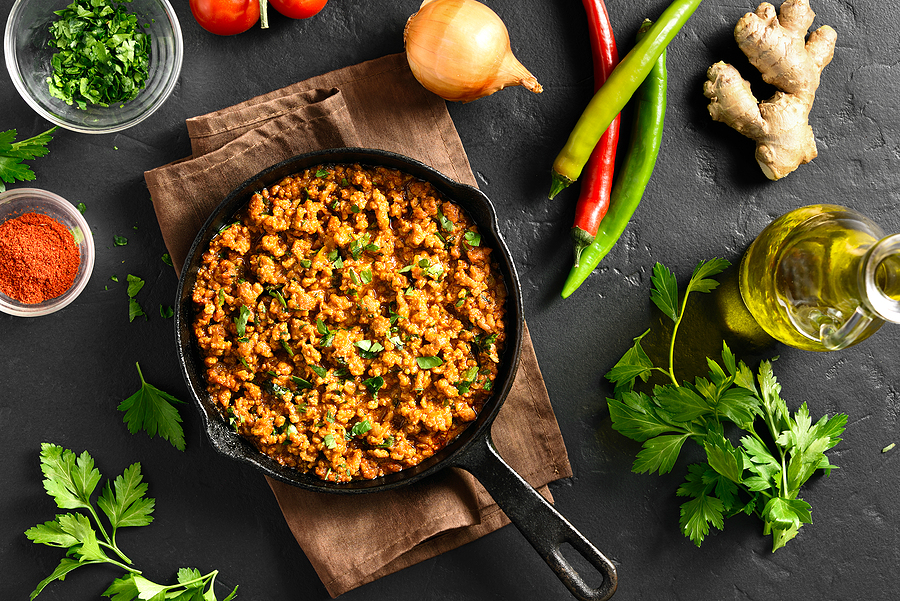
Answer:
(777, 47)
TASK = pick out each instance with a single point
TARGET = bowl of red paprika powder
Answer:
(46, 252)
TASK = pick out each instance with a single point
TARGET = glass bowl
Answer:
(28, 62)
(19, 201)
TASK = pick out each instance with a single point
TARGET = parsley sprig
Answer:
(12, 154)
(72, 480)
(153, 411)
(762, 472)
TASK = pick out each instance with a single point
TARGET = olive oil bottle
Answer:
(822, 277)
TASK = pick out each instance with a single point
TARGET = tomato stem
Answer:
(264, 14)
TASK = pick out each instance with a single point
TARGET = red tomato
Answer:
(298, 9)
(225, 17)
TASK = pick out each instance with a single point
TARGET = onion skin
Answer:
(460, 50)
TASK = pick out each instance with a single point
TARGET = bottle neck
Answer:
(879, 279)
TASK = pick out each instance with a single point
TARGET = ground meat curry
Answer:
(350, 320)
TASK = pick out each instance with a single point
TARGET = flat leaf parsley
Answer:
(102, 54)
(152, 410)
(761, 473)
(12, 154)
(71, 480)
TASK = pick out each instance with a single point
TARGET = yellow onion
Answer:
(459, 49)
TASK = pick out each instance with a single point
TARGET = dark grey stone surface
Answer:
(61, 376)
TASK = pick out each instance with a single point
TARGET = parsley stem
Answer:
(672, 343)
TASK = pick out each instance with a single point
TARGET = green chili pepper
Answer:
(646, 138)
(615, 93)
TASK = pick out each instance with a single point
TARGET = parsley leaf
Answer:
(101, 55)
(71, 481)
(152, 410)
(12, 154)
(429, 362)
(763, 473)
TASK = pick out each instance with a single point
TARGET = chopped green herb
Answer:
(429, 362)
(374, 384)
(120, 240)
(366, 276)
(102, 57)
(286, 347)
(301, 383)
(446, 224)
(166, 312)
(305, 263)
(220, 298)
(326, 334)
(322, 172)
(329, 441)
(344, 182)
(354, 279)
(240, 322)
(81, 207)
(473, 238)
(13, 153)
(888, 448)
(360, 428)
(275, 293)
(388, 443)
(319, 371)
(369, 349)
(167, 259)
(114, 278)
(405, 269)
(395, 340)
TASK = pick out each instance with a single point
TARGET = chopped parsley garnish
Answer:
(120, 240)
(429, 362)
(319, 371)
(286, 347)
(369, 349)
(374, 384)
(102, 55)
(473, 238)
(360, 428)
(366, 276)
(445, 222)
(305, 263)
(167, 259)
(322, 172)
(166, 312)
(326, 334)
(134, 308)
(301, 383)
(329, 441)
(275, 293)
(240, 322)
(388, 443)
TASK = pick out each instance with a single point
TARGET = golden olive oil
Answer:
(804, 278)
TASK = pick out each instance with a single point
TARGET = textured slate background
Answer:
(62, 376)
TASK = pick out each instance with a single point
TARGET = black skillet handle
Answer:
(544, 527)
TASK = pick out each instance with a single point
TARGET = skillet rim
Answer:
(475, 203)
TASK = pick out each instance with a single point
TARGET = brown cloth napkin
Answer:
(376, 104)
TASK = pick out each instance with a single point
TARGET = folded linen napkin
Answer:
(376, 104)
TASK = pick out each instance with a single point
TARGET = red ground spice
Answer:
(38, 258)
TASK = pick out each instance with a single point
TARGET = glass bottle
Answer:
(822, 277)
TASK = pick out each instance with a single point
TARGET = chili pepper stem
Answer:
(263, 14)
(582, 240)
(558, 183)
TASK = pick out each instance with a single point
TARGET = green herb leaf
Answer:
(166, 312)
(101, 57)
(124, 503)
(664, 293)
(134, 285)
(240, 322)
(429, 362)
(473, 238)
(374, 384)
(152, 410)
(369, 349)
(12, 154)
(120, 240)
(360, 428)
(329, 441)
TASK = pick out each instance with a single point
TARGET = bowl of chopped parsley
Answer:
(94, 66)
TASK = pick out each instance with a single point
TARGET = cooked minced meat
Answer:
(350, 320)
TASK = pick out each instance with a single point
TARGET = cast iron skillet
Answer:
(473, 450)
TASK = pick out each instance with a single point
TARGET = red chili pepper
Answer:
(597, 183)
